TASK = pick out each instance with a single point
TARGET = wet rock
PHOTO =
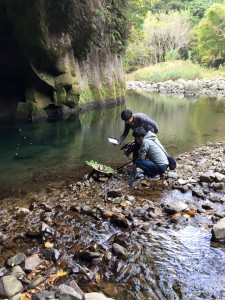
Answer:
(32, 262)
(3, 271)
(22, 212)
(3, 237)
(45, 295)
(172, 175)
(120, 221)
(88, 255)
(174, 206)
(198, 193)
(77, 289)
(139, 212)
(119, 250)
(45, 228)
(218, 230)
(36, 282)
(218, 185)
(67, 292)
(207, 176)
(16, 260)
(114, 193)
(10, 286)
(34, 231)
(215, 198)
(96, 296)
(107, 256)
(219, 177)
(16, 297)
(181, 181)
(17, 271)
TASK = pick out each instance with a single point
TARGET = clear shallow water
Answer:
(34, 155)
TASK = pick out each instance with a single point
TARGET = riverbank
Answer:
(214, 88)
(93, 233)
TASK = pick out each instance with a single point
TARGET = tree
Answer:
(211, 36)
(166, 32)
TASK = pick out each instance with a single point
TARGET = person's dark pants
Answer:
(149, 167)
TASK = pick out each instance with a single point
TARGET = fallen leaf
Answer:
(108, 214)
(25, 296)
(192, 213)
(98, 278)
(48, 245)
(123, 204)
(186, 216)
(75, 248)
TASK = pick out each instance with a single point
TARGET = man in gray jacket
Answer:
(152, 158)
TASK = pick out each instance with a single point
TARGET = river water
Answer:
(174, 264)
(38, 154)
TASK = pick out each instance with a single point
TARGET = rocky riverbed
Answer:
(87, 240)
(214, 88)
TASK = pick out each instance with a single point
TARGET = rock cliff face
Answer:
(57, 56)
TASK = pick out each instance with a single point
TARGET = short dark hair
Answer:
(139, 132)
(126, 114)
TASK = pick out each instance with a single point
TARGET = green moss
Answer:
(30, 110)
(86, 96)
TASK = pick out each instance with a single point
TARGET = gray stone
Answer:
(22, 212)
(36, 281)
(65, 292)
(16, 259)
(45, 295)
(17, 271)
(219, 177)
(10, 286)
(198, 193)
(119, 250)
(77, 289)
(16, 297)
(96, 296)
(218, 230)
(207, 176)
(175, 206)
(32, 262)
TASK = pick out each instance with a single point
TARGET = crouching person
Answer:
(152, 158)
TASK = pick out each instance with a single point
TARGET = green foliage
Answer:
(100, 167)
(166, 32)
(172, 55)
(172, 70)
(211, 36)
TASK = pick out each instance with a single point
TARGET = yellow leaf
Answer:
(186, 216)
(98, 278)
(48, 245)
(25, 296)
(123, 204)
(95, 246)
(108, 214)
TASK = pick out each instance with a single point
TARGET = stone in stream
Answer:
(174, 206)
(218, 230)
(10, 286)
(44, 295)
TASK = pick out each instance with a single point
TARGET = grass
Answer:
(172, 70)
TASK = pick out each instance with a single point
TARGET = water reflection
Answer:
(33, 155)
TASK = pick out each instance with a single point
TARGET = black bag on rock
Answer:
(172, 162)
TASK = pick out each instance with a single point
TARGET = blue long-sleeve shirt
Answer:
(140, 120)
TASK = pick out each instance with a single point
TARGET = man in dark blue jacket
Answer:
(133, 121)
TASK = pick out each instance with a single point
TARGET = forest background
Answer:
(191, 33)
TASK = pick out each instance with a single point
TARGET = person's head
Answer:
(127, 116)
(139, 134)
